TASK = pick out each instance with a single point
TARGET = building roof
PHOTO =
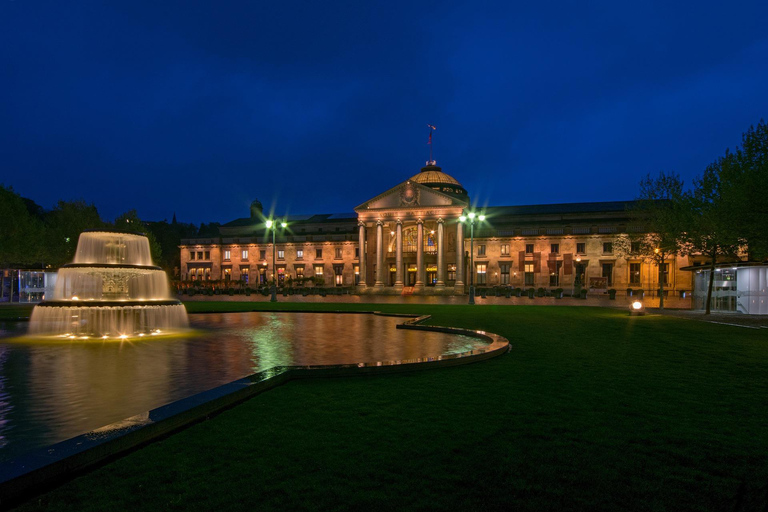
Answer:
(560, 208)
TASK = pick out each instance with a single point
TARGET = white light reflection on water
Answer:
(57, 389)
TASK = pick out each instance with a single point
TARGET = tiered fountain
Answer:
(110, 290)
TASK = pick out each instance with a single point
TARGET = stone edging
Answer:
(44, 468)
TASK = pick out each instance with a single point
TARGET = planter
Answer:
(531, 293)
(518, 292)
(612, 294)
(583, 293)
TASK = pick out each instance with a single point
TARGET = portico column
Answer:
(399, 255)
(361, 238)
(440, 257)
(379, 255)
(420, 277)
(459, 286)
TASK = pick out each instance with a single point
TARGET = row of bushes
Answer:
(264, 290)
(578, 292)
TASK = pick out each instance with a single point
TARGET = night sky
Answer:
(198, 108)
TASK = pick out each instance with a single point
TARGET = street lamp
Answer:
(273, 226)
(471, 216)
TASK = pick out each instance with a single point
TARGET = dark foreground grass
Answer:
(591, 410)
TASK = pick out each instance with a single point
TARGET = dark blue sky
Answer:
(197, 108)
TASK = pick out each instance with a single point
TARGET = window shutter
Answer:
(552, 262)
(567, 264)
(521, 263)
(537, 263)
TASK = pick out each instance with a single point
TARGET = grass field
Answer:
(591, 410)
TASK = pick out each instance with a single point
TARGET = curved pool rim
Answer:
(42, 469)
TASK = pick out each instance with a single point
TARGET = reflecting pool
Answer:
(51, 391)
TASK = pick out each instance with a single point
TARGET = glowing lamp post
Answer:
(273, 226)
(471, 216)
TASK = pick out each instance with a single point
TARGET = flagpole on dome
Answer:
(431, 129)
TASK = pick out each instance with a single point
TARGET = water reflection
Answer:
(51, 391)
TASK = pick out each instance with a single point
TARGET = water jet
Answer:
(110, 290)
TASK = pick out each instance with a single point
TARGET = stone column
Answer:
(399, 255)
(459, 287)
(379, 255)
(420, 277)
(440, 256)
(362, 260)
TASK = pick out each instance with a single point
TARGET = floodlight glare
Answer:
(283, 224)
(636, 308)
(471, 215)
(482, 217)
(463, 218)
(269, 224)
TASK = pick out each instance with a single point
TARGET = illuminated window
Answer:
(318, 271)
(481, 273)
(505, 249)
(244, 274)
(529, 248)
(244, 255)
(227, 255)
(300, 254)
(357, 274)
(452, 272)
(281, 254)
(338, 274)
(581, 248)
(227, 274)
(529, 275)
(280, 275)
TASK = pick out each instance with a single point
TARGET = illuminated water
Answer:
(52, 391)
(111, 289)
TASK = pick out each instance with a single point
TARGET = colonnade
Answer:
(380, 274)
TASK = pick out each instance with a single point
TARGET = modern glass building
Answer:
(738, 287)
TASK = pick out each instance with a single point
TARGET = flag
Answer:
(430, 137)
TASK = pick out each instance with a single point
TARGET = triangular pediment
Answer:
(410, 194)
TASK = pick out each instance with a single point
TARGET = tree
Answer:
(63, 226)
(744, 190)
(711, 227)
(661, 212)
(130, 221)
(20, 232)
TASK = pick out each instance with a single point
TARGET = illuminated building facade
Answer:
(413, 242)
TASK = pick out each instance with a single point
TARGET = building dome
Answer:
(256, 209)
(433, 177)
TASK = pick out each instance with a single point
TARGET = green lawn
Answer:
(591, 410)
